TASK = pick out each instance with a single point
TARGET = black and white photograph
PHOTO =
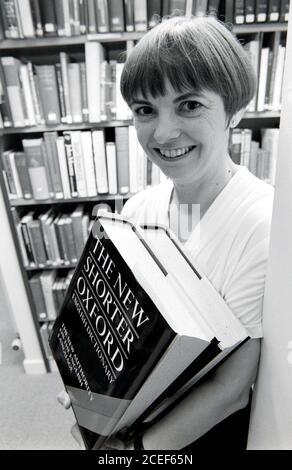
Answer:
(146, 227)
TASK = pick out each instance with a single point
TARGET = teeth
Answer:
(175, 152)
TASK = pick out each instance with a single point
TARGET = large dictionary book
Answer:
(138, 324)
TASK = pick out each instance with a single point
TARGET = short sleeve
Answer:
(244, 290)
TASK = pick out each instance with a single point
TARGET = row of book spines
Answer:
(260, 159)
(38, 18)
(256, 11)
(268, 63)
(63, 92)
(78, 164)
(52, 238)
(48, 291)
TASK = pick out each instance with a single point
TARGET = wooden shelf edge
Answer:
(75, 200)
(65, 127)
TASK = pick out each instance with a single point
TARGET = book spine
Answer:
(70, 164)
(48, 16)
(36, 168)
(92, 27)
(60, 92)
(213, 8)
(102, 16)
(48, 91)
(60, 18)
(63, 167)
(76, 17)
(94, 55)
(36, 239)
(75, 91)
(129, 15)
(261, 10)
(140, 15)
(77, 231)
(84, 100)
(50, 139)
(274, 10)
(116, 15)
(78, 163)
(26, 18)
(13, 87)
(200, 8)
(153, 12)
(47, 280)
(284, 11)
(9, 175)
(38, 297)
(262, 78)
(99, 151)
(133, 167)
(122, 151)
(65, 81)
(35, 95)
(4, 101)
(10, 23)
(22, 170)
(26, 85)
(239, 16)
(82, 9)
(249, 11)
(48, 169)
(36, 17)
(86, 142)
(111, 167)
(70, 240)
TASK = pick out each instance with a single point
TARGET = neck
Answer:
(206, 191)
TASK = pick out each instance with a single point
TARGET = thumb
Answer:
(64, 399)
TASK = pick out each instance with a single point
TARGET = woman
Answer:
(188, 81)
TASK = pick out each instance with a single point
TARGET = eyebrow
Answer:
(184, 96)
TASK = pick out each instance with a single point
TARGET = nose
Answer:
(167, 129)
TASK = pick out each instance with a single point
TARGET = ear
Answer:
(236, 118)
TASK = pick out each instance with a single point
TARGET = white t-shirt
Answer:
(230, 244)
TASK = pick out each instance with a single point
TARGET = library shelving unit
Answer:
(51, 46)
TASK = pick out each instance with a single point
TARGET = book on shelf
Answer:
(135, 323)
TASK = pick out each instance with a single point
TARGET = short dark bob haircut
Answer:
(198, 53)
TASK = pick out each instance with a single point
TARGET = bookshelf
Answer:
(42, 50)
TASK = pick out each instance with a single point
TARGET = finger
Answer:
(64, 399)
(77, 436)
(114, 443)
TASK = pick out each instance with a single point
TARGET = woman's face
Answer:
(185, 134)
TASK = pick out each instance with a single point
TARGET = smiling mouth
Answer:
(173, 154)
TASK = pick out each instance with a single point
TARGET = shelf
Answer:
(64, 127)
(75, 200)
(262, 115)
(35, 43)
(103, 124)
(259, 27)
(50, 267)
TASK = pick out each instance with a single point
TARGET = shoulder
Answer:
(255, 204)
(145, 204)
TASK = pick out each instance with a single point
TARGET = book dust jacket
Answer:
(107, 338)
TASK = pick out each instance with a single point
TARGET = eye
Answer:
(190, 106)
(143, 111)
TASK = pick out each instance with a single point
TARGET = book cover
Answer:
(118, 336)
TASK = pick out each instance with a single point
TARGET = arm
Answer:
(225, 392)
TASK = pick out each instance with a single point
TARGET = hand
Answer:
(113, 443)
(64, 399)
